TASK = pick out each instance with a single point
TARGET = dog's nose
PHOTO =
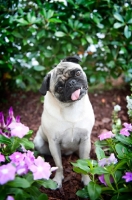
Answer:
(72, 83)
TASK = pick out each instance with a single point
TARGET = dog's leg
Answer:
(40, 144)
(56, 154)
(84, 151)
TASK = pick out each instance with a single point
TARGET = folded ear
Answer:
(74, 59)
(45, 85)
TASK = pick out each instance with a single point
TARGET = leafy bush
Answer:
(21, 174)
(111, 173)
(35, 35)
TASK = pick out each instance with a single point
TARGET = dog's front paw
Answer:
(85, 179)
(58, 179)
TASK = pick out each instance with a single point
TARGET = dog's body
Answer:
(68, 117)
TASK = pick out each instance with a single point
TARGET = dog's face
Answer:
(67, 81)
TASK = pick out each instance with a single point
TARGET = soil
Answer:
(29, 106)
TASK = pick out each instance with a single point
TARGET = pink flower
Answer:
(17, 157)
(2, 158)
(107, 161)
(22, 168)
(10, 198)
(18, 129)
(40, 169)
(7, 173)
(128, 176)
(102, 180)
(106, 135)
(124, 131)
(128, 126)
(29, 158)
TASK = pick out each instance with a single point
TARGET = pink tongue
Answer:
(75, 95)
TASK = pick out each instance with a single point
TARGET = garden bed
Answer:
(29, 107)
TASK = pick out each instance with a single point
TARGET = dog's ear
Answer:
(45, 85)
(74, 59)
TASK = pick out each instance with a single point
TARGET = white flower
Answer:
(129, 102)
(117, 108)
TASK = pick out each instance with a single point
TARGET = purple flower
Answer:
(112, 159)
(106, 135)
(18, 119)
(7, 173)
(18, 129)
(40, 169)
(10, 198)
(102, 180)
(107, 161)
(2, 158)
(8, 121)
(2, 122)
(124, 131)
(128, 176)
(17, 157)
(11, 113)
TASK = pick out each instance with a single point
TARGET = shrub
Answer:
(21, 173)
(36, 35)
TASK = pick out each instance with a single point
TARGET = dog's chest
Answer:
(70, 139)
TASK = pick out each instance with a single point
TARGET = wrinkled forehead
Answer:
(64, 70)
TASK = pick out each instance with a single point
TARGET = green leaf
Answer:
(39, 68)
(99, 152)
(118, 25)
(79, 171)
(19, 182)
(94, 190)
(120, 164)
(5, 140)
(82, 193)
(123, 139)
(41, 34)
(121, 150)
(15, 143)
(127, 33)
(55, 20)
(107, 179)
(16, 191)
(59, 34)
(50, 13)
(82, 164)
(129, 21)
(22, 22)
(98, 170)
(33, 191)
(43, 197)
(17, 34)
(118, 17)
(89, 39)
(48, 184)
(26, 143)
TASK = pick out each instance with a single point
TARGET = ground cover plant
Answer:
(22, 173)
(111, 173)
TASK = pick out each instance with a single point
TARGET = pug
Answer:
(68, 118)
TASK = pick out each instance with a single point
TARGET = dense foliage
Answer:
(36, 35)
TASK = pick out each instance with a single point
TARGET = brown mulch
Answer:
(29, 107)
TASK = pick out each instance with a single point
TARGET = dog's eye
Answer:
(60, 89)
(78, 73)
